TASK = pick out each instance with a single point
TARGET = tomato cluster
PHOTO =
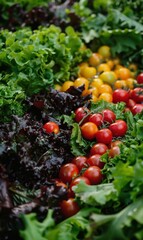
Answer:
(104, 130)
(81, 168)
(104, 77)
(102, 126)
(102, 74)
(133, 99)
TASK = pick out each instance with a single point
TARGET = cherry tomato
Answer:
(137, 108)
(95, 59)
(81, 113)
(104, 135)
(59, 183)
(114, 151)
(137, 95)
(95, 160)
(89, 130)
(118, 128)
(120, 95)
(51, 127)
(69, 207)
(140, 78)
(108, 116)
(98, 148)
(80, 162)
(115, 143)
(77, 181)
(130, 103)
(96, 118)
(68, 172)
(93, 173)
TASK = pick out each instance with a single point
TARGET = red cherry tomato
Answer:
(120, 95)
(59, 183)
(96, 118)
(80, 162)
(51, 127)
(81, 113)
(88, 130)
(93, 173)
(95, 160)
(118, 128)
(68, 172)
(77, 181)
(115, 143)
(137, 95)
(137, 108)
(108, 116)
(130, 103)
(69, 207)
(140, 78)
(98, 148)
(114, 151)
(104, 135)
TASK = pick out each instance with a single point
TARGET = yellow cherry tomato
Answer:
(95, 59)
(108, 77)
(124, 73)
(94, 98)
(58, 87)
(105, 88)
(96, 82)
(88, 72)
(104, 51)
(120, 84)
(110, 63)
(66, 85)
(95, 91)
(106, 97)
(103, 67)
(130, 82)
(82, 81)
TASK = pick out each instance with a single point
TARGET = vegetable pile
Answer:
(71, 120)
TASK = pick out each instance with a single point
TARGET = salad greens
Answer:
(31, 61)
(117, 20)
(112, 209)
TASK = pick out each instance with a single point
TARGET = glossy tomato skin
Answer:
(120, 95)
(108, 116)
(137, 108)
(98, 148)
(140, 78)
(59, 183)
(96, 118)
(137, 95)
(114, 151)
(88, 130)
(93, 173)
(95, 160)
(104, 135)
(130, 103)
(77, 181)
(69, 207)
(68, 172)
(81, 113)
(118, 128)
(51, 127)
(80, 162)
(115, 143)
